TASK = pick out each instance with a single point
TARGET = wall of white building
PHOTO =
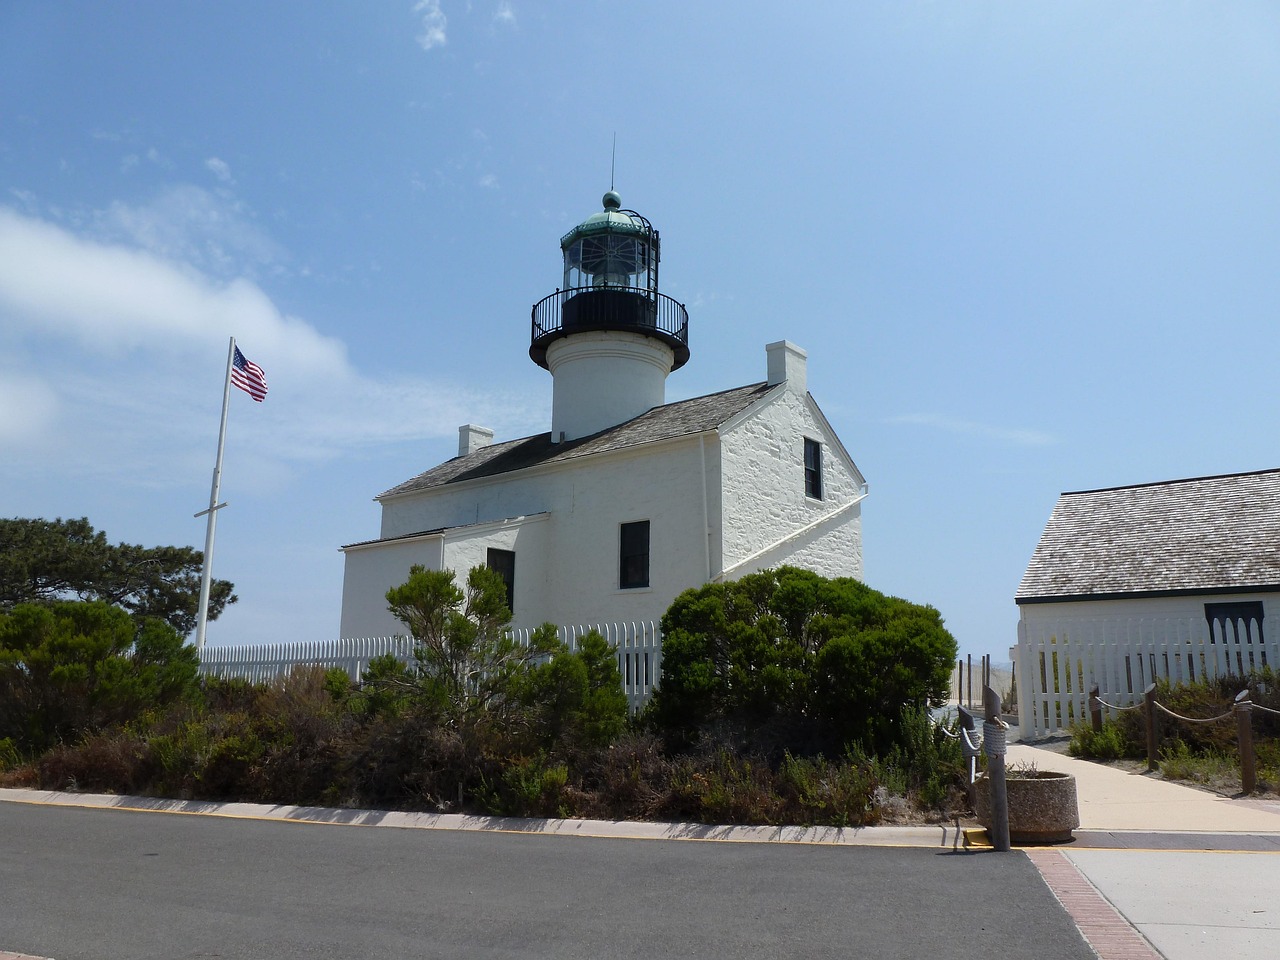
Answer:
(566, 571)
(372, 569)
(764, 491)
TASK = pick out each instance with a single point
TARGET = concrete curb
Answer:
(938, 836)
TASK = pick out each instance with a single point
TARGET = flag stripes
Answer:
(248, 376)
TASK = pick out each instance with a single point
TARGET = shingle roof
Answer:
(1205, 535)
(666, 422)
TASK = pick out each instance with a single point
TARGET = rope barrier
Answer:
(1178, 716)
(993, 738)
(1258, 706)
(1112, 706)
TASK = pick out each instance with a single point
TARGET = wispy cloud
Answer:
(184, 223)
(219, 169)
(113, 359)
(505, 15)
(434, 23)
(489, 181)
(1016, 435)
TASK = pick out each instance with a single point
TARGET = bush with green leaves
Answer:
(68, 668)
(787, 660)
(467, 665)
(1109, 743)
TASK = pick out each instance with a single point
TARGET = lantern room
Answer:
(610, 283)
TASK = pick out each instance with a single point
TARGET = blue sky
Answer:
(1030, 247)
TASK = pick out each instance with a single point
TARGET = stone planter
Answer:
(1042, 806)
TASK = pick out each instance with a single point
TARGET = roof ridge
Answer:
(1167, 483)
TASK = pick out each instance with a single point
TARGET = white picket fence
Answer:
(638, 645)
(1059, 661)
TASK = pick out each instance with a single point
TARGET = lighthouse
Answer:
(607, 335)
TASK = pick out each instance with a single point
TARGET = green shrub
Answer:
(68, 669)
(9, 756)
(1110, 743)
(1179, 762)
(530, 787)
(786, 660)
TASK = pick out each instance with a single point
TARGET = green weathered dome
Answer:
(609, 220)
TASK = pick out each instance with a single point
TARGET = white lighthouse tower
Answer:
(608, 336)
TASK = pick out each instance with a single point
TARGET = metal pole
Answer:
(206, 569)
(993, 742)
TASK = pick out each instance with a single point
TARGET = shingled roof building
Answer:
(1156, 580)
(627, 500)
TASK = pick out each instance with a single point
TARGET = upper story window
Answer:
(633, 555)
(812, 469)
(503, 563)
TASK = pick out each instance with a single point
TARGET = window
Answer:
(1239, 622)
(503, 563)
(633, 555)
(812, 469)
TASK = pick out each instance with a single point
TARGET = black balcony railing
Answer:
(631, 309)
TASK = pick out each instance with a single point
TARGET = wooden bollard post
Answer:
(994, 743)
(968, 741)
(1095, 710)
(1244, 733)
(969, 660)
(1149, 699)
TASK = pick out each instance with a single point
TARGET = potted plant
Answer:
(1042, 805)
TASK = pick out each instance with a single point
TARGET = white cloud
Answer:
(1016, 435)
(433, 24)
(219, 169)
(505, 15)
(489, 181)
(104, 294)
(132, 350)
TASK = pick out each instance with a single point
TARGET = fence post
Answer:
(1244, 732)
(1095, 710)
(993, 741)
(1149, 703)
(969, 658)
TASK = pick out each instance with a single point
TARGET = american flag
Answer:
(248, 376)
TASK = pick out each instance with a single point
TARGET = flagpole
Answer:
(206, 570)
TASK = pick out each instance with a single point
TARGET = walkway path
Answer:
(1193, 873)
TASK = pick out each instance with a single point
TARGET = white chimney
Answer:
(787, 364)
(471, 438)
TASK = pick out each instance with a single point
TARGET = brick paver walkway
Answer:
(1110, 934)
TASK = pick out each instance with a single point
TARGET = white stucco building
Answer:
(627, 500)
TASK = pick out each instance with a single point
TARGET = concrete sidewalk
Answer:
(1113, 799)
(1193, 873)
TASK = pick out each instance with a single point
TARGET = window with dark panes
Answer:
(1239, 621)
(812, 469)
(633, 561)
(503, 563)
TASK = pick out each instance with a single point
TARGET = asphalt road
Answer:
(80, 884)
